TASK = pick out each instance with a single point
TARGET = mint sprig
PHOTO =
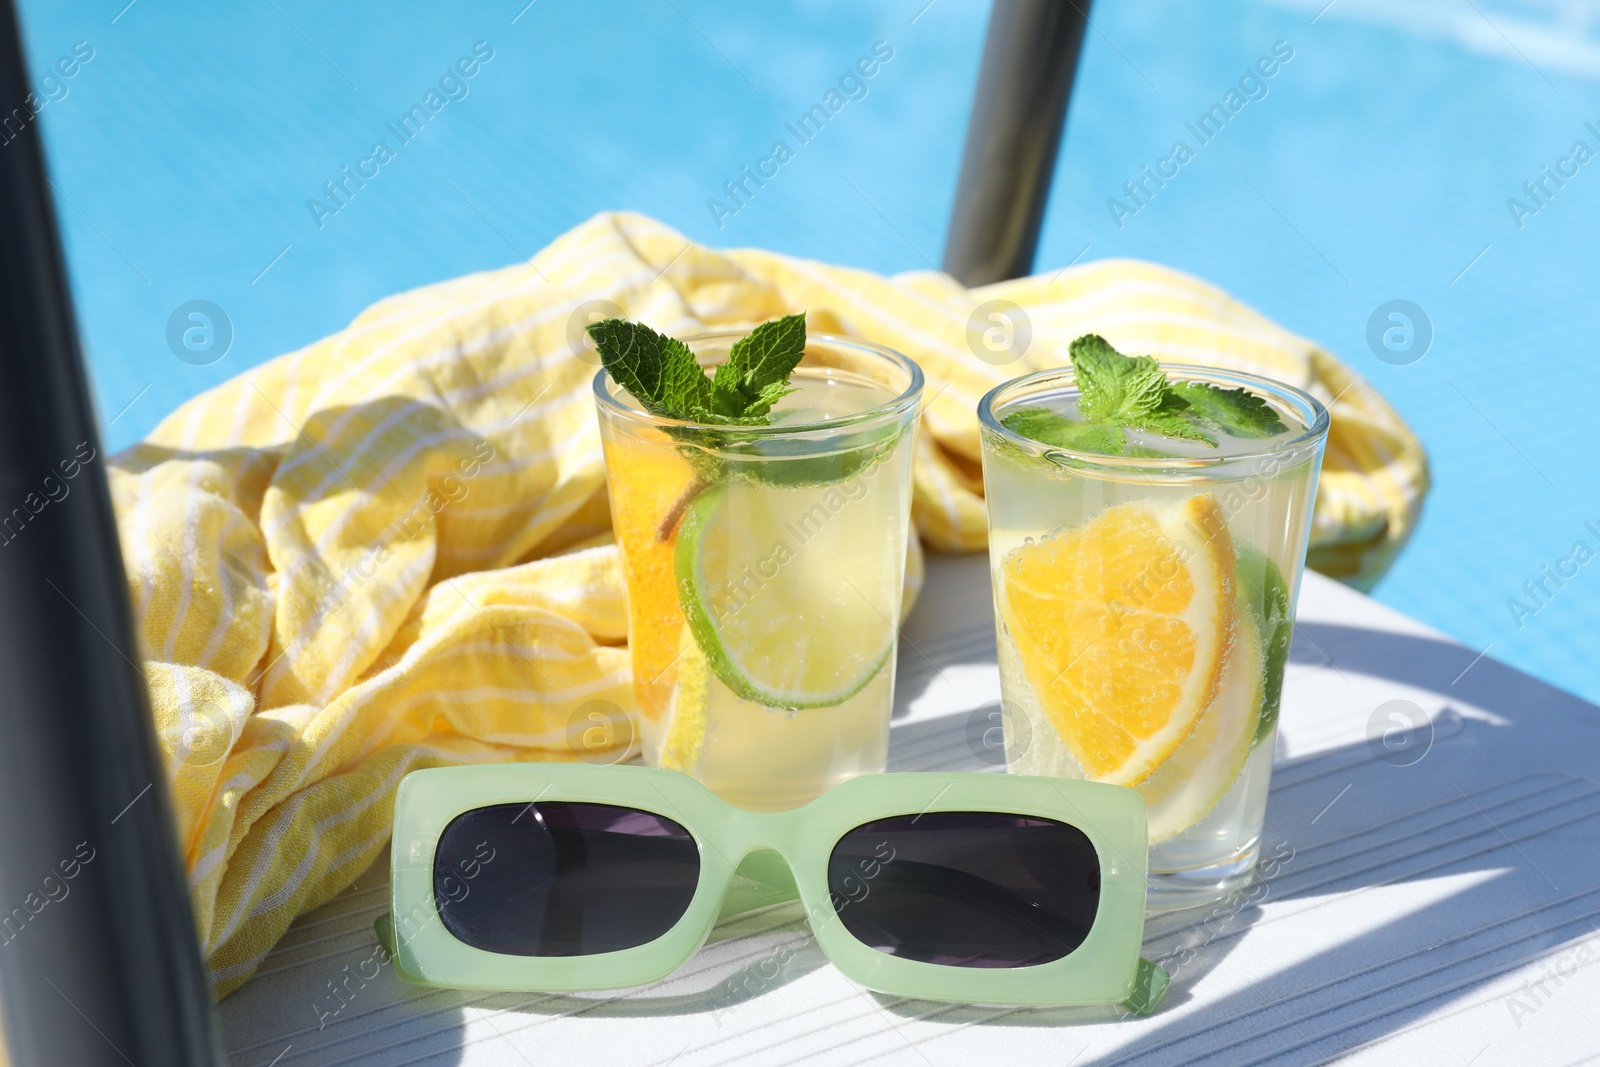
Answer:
(1118, 393)
(667, 380)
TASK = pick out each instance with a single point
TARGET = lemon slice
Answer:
(1185, 788)
(782, 620)
(1121, 625)
(686, 713)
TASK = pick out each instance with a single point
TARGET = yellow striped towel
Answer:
(391, 549)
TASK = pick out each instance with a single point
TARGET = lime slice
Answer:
(782, 617)
(1191, 781)
(719, 454)
(1264, 592)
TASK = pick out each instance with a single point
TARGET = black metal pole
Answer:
(1029, 58)
(98, 958)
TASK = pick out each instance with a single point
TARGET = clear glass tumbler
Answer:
(1144, 606)
(764, 567)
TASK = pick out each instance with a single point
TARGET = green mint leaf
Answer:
(769, 354)
(661, 372)
(616, 341)
(768, 395)
(1115, 387)
(684, 385)
(1049, 428)
(1168, 424)
(727, 398)
(1172, 419)
(756, 373)
(1236, 412)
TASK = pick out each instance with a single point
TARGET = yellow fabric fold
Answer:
(391, 549)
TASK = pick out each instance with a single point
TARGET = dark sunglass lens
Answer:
(563, 879)
(967, 889)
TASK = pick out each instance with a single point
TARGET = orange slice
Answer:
(1122, 625)
(646, 479)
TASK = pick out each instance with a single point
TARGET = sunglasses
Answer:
(986, 888)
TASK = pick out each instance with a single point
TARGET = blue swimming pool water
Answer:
(1376, 164)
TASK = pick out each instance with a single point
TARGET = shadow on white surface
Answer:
(1412, 878)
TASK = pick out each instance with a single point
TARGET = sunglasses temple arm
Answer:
(1149, 988)
(384, 928)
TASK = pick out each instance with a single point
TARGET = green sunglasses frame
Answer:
(750, 860)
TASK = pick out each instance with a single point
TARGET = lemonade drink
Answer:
(764, 568)
(1144, 608)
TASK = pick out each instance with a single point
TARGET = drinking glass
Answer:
(1144, 607)
(764, 568)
